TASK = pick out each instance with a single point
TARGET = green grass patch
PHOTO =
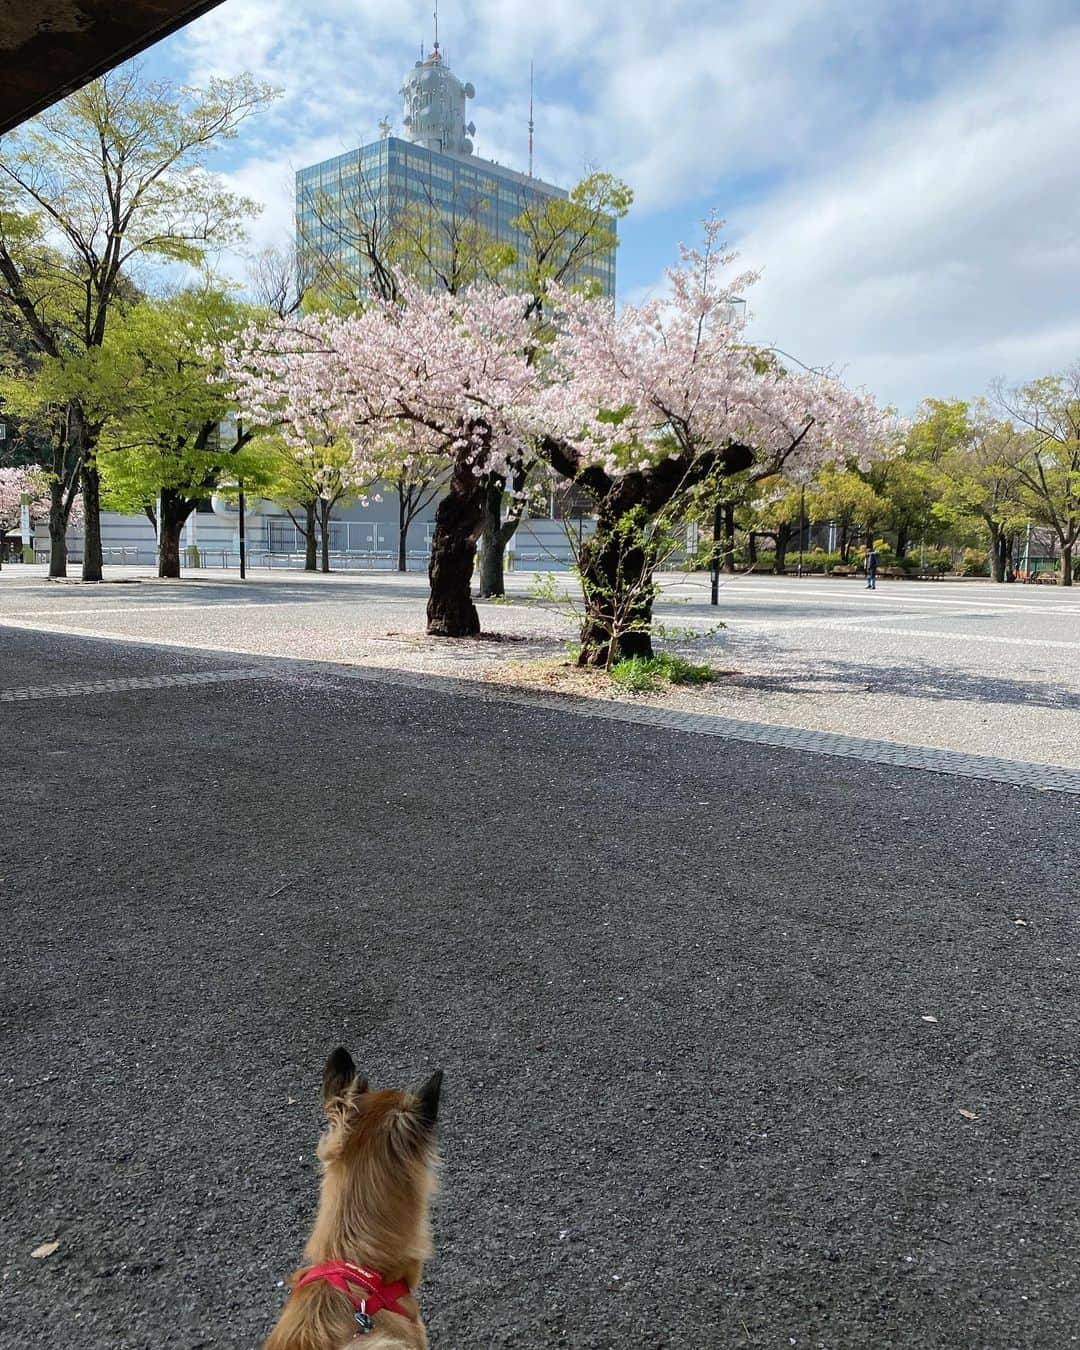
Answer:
(641, 675)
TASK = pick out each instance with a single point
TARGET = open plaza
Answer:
(955, 666)
(773, 990)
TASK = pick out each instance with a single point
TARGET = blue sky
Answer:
(904, 174)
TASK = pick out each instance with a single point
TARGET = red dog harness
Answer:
(345, 1276)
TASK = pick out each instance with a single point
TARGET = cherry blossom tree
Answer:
(450, 372)
(32, 483)
(651, 404)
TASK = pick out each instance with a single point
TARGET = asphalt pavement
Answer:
(743, 1047)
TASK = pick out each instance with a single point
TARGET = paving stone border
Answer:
(1017, 773)
(76, 688)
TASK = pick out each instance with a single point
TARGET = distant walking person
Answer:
(871, 568)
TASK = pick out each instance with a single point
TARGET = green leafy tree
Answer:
(908, 483)
(154, 387)
(571, 241)
(47, 435)
(314, 477)
(416, 477)
(842, 495)
(111, 179)
(1048, 409)
(773, 512)
(940, 427)
(979, 479)
(908, 488)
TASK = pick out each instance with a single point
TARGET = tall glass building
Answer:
(427, 201)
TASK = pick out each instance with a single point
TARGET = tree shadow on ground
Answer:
(915, 679)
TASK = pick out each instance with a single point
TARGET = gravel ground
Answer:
(743, 1048)
(981, 669)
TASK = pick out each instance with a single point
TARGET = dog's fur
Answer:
(379, 1160)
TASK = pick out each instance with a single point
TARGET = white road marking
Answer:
(853, 594)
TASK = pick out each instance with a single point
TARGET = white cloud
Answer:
(944, 248)
(904, 174)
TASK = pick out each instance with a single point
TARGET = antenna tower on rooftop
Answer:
(532, 124)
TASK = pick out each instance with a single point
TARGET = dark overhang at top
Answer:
(48, 48)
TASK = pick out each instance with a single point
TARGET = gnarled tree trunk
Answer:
(617, 579)
(618, 562)
(458, 523)
(1066, 566)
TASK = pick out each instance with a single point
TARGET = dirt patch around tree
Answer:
(560, 675)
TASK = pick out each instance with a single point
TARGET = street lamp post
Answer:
(717, 527)
(735, 314)
(243, 535)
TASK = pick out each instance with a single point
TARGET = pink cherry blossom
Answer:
(34, 480)
(685, 380)
(13, 484)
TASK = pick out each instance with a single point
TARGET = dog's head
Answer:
(387, 1121)
(378, 1153)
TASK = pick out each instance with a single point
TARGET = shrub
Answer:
(975, 562)
(938, 560)
(641, 675)
(816, 561)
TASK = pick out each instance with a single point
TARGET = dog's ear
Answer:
(427, 1100)
(340, 1077)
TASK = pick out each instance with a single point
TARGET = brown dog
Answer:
(372, 1236)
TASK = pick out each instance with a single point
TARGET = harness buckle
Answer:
(363, 1321)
